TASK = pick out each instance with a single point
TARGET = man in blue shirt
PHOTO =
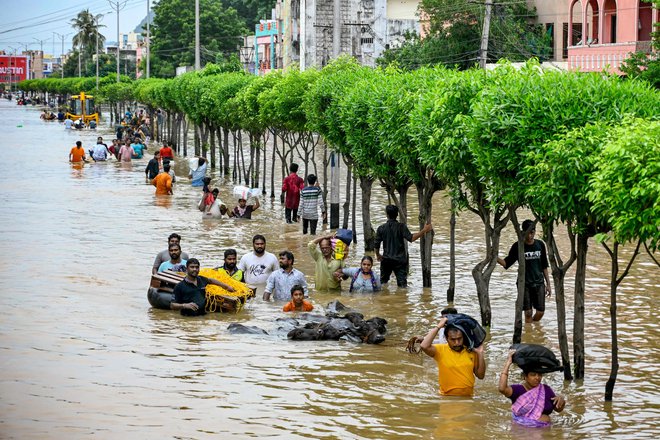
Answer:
(175, 263)
(139, 148)
(281, 281)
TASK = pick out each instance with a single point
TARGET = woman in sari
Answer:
(531, 401)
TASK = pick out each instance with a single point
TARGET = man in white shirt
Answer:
(259, 264)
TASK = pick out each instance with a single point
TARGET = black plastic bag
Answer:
(535, 358)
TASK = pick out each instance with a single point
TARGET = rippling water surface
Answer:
(83, 354)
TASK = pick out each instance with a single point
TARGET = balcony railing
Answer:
(598, 57)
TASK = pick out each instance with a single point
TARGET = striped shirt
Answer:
(311, 200)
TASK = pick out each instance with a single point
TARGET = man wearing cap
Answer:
(537, 278)
(457, 367)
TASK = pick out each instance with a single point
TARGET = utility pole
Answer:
(117, 6)
(197, 61)
(483, 52)
(148, 38)
(97, 49)
(62, 53)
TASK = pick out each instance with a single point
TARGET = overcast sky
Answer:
(26, 21)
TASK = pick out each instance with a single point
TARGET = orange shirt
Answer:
(291, 307)
(163, 183)
(166, 152)
(77, 154)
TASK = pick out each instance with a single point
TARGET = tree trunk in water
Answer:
(558, 276)
(347, 201)
(185, 136)
(369, 234)
(353, 209)
(483, 270)
(520, 283)
(425, 191)
(452, 255)
(578, 307)
(212, 147)
(611, 381)
(326, 163)
(272, 166)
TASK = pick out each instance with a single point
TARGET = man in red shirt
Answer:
(291, 186)
(166, 152)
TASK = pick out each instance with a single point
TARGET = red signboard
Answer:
(13, 69)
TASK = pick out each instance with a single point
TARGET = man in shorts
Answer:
(537, 278)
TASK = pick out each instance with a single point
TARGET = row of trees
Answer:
(576, 149)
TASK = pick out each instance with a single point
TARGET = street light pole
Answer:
(197, 60)
(117, 6)
(148, 39)
(62, 53)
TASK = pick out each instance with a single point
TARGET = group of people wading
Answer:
(459, 360)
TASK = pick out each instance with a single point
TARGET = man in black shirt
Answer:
(537, 279)
(190, 293)
(395, 256)
(153, 167)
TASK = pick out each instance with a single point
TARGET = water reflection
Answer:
(84, 353)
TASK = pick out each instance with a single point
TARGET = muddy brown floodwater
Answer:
(83, 354)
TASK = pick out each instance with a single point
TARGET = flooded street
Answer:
(83, 354)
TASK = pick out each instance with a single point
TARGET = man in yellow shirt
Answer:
(457, 367)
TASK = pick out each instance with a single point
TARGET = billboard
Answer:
(13, 69)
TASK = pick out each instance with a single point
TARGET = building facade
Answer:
(605, 32)
(593, 35)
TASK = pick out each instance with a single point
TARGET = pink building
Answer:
(604, 32)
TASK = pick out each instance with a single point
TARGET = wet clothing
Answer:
(68, 124)
(152, 168)
(138, 150)
(176, 267)
(126, 153)
(165, 256)
(309, 225)
(163, 184)
(77, 154)
(395, 256)
(291, 187)
(243, 213)
(100, 152)
(325, 269)
(198, 175)
(536, 260)
(358, 283)
(312, 200)
(548, 405)
(186, 292)
(291, 307)
(237, 275)
(257, 269)
(455, 370)
(166, 153)
(280, 282)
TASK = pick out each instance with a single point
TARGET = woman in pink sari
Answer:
(532, 401)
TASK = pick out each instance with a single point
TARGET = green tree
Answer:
(87, 35)
(455, 35)
(251, 10)
(173, 34)
(643, 65)
(625, 192)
